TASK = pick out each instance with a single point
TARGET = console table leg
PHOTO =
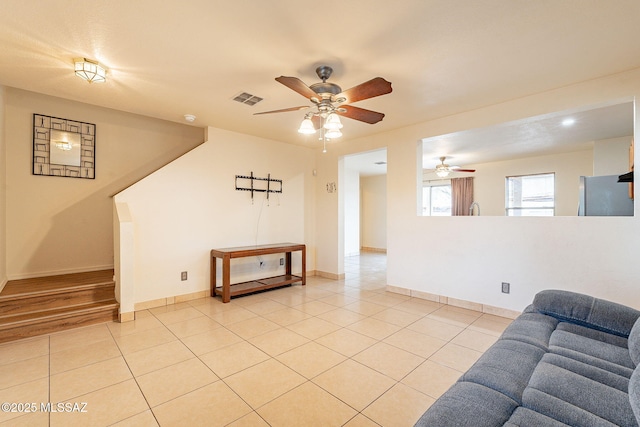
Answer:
(213, 276)
(226, 278)
(304, 266)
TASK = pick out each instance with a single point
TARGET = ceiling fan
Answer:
(443, 170)
(329, 98)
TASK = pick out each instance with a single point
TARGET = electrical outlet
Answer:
(281, 261)
(183, 276)
(506, 287)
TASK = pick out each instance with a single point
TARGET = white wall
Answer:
(611, 156)
(330, 223)
(3, 194)
(189, 207)
(61, 225)
(373, 212)
(598, 256)
(489, 179)
(351, 196)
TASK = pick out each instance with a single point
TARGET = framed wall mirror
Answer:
(63, 147)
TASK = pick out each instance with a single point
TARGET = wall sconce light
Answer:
(90, 70)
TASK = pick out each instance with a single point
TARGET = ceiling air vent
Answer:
(247, 98)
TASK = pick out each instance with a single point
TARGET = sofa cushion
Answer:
(593, 334)
(506, 367)
(576, 400)
(468, 405)
(594, 361)
(586, 370)
(526, 417)
(634, 343)
(587, 311)
(598, 349)
(634, 393)
(531, 328)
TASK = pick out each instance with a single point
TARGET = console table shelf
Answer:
(227, 290)
(259, 285)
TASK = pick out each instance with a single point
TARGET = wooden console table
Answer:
(227, 290)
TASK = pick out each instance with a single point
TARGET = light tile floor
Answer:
(330, 353)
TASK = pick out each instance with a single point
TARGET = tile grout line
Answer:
(136, 381)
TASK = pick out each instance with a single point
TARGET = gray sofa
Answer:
(568, 360)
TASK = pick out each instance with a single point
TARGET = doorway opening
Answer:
(364, 215)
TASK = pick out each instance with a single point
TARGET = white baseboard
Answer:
(376, 250)
(328, 275)
(145, 305)
(483, 308)
(161, 302)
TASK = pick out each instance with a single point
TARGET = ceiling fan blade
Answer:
(297, 85)
(360, 114)
(462, 170)
(284, 110)
(372, 88)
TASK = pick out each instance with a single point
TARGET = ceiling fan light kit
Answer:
(328, 98)
(443, 170)
(333, 122)
(306, 127)
(333, 134)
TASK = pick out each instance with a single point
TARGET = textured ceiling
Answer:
(169, 58)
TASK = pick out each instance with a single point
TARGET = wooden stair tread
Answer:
(56, 284)
(15, 327)
(38, 316)
(55, 290)
(43, 305)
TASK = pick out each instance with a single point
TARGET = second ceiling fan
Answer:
(330, 101)
(443, 170)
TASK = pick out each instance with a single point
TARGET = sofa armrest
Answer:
(587, 311)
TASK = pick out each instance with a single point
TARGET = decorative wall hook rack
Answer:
(261, 185)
